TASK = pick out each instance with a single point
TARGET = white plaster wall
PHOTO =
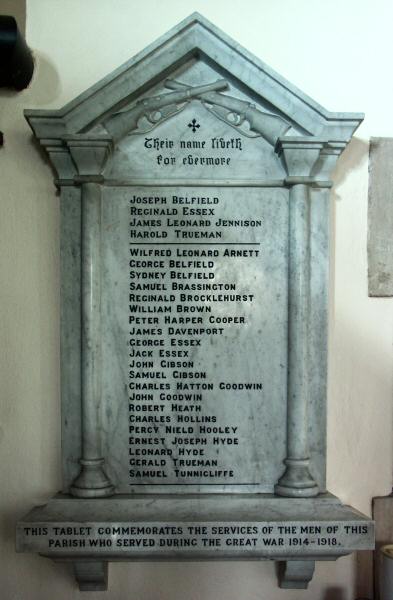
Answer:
(339, 53)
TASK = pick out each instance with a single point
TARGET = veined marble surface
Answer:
(267, 159)
(252, 350)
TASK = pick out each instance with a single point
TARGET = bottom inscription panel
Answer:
(265, 528)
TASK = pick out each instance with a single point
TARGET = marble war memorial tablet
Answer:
(194, 191)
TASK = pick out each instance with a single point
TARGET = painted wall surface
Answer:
(337, 52)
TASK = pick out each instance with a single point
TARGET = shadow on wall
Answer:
(44, 89)
(354, 155)
(364, 575)
(334, 593)
(338, 593)
(351, 158)
(45, 86)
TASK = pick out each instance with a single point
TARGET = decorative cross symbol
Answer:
(194, 125)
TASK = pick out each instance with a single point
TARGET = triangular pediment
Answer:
(194, 40)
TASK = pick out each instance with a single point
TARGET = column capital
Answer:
(89, 153)
(60, 158)
(327, 160)
(300, 155)
(309, 160)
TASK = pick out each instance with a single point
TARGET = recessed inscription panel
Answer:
(195, 327)
(246, 539)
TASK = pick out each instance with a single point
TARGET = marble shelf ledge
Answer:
(90, 533)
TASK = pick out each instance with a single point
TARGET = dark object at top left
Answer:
(16, 61)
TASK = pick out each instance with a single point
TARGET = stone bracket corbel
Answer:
(91, 575)
(295, 574)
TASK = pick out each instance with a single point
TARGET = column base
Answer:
(92, 482)
(297, 481)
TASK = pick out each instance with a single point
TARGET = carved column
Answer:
(300, 156)
(90, 155)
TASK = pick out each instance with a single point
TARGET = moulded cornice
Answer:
(195, 36)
